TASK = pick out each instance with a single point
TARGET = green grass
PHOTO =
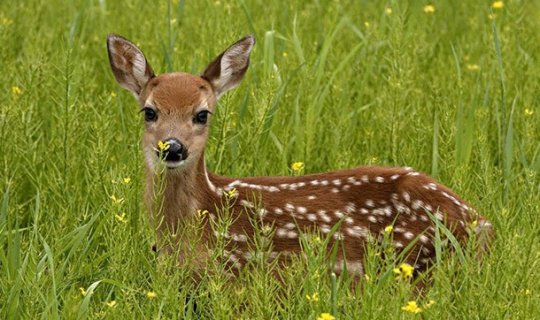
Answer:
(333, 84)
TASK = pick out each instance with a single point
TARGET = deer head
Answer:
(177, 106)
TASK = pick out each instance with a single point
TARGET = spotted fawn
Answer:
(177, 108)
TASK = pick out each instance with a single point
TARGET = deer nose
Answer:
(173, 151)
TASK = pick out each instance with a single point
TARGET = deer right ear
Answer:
(128, 64)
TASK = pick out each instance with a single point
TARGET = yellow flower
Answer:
(113, 94)
(297, 166)
(429, 8)
(367, 277)
(412, 307)
(83, 291)
(497, 5)
(366, 24)
(201, 213)
(163, 146)
(388, 11)
(116, 200)
(127, 180)
(529, 112)
(473, 67)
(314, 297)
(492, 16)
(111, 303)
(151, 294)
(388, 229)
(231, 193)
(16, 91)
(429, 304)
(326, 316)
(121, 217)
(6, 21)
(405, 270)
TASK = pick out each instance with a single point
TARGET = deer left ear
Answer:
(228, 69)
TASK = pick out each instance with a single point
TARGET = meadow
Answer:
(447, 87)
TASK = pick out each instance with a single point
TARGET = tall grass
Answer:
(333, 84)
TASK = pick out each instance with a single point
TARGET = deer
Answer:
(366, 201)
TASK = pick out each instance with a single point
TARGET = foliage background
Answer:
(333, 84)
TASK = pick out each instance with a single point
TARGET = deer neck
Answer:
(176, 195)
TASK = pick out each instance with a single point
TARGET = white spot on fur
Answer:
(346, 187)
(408, 235)
(364, 179)
(278, 211)
(406, 196)
(312, 217)
(370, 203)
(335, 190)
(289, 226)
(289, 207)
(314, 182)
(246, 203)
(372, 219)
(336, 182)
(394, 177)
(379, 179)
(312, 197)
(301, 210)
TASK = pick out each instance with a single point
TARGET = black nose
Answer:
(175, 151)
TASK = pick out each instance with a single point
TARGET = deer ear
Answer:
(128, 64)
(226, 71)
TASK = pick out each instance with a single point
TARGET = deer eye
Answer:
(201, 117)
(149, 114)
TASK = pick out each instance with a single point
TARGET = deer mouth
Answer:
(174, 164)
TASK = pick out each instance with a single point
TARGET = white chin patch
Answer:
(174, 165)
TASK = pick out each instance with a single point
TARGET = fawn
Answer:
(177, 108)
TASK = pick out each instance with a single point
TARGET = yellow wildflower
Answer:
(121, 217)
(326, 316)
(389, 229)
(113, 94)
(412, 307)
(405, 270)
(233, 193)
(529, 112)
(201, 213)
(473, 67)
(314, 297)
(16, 91)
(297, 166)
(367, 277)
(116, 200)
(151, 294)
(429, 8)
(429, 304)
(388, 11)
(127, 180)
(111, 303)
(83, 291)
(163, 146)
(366, 24)
(497, 5)
(6, 21)
(492, 16)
